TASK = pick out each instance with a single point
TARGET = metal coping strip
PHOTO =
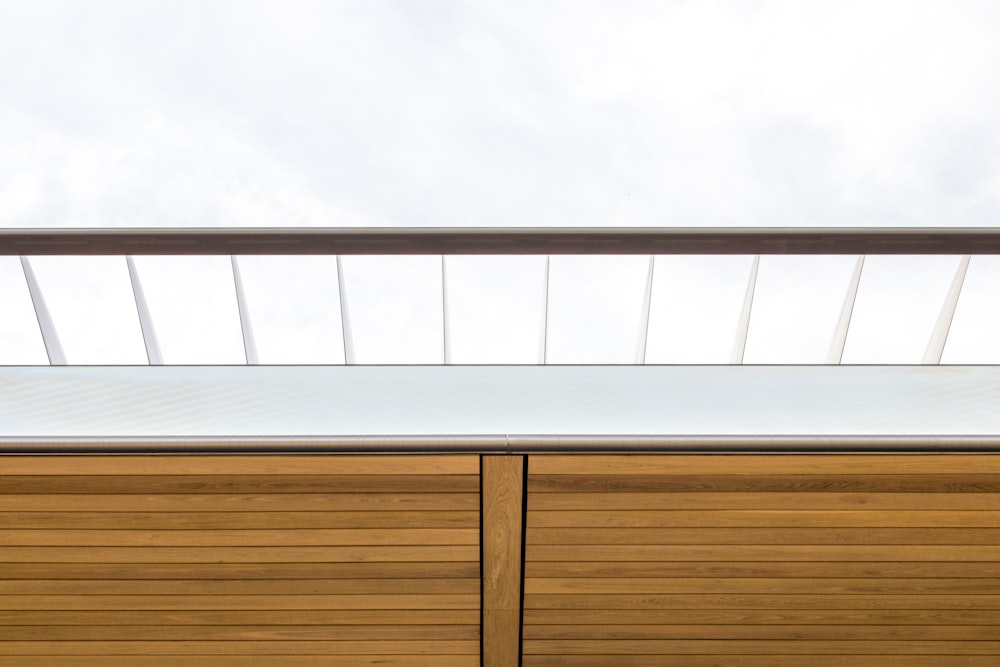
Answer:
(501, 241)
(523, 444)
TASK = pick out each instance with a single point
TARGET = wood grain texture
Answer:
(704, 500)
(226, 571)
(758, 646)
(502, 499)
(734, 660)
(239, 560)
(271, 502)
(765, 464)
(245, 648)
(239, 520)
(771, 483)
(202, 660)
(236, 484)
(244, 538)
(761, 519)
(270, 465)
(763, 560)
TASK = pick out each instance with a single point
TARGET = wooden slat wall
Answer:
(763, 560)
(236, 560)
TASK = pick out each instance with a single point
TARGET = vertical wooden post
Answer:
(502, 498)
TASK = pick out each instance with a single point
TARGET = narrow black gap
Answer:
(524, 543)
(482, 655)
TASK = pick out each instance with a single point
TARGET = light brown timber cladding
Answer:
(213, 560)
(503, 484)
(763, 560)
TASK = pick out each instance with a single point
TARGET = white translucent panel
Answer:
(394, 308)
(695, 308)
(495, 309)
(595, 308)
(899, 300)
(975, 332)
(294, 307)
(192, 301)
(20, 339)
(459, 405)
(796, 305)
(92, 307)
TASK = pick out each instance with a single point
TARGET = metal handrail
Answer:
(502, 241)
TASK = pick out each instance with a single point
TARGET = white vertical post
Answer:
(445, 331)
(50, 337)
(836, 354)
(249, 344)
(153, 355)
(345, 320)
(543, 352)
(640, 354)
(935, 346)
(743, 327)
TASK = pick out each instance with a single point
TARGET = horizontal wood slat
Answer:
(744, 660)
(765, 464)
(224, 571)
(240, 633)
(246, 648)
(826, 483)
(662, 500)
(240, 560)
(741, 536)
(762, 559)
(239, 520)
(757, 646)
(773, 632)
(762, 519)
(236, 484)
(261, 464)
(202, 660)
(218, 537)
(276, 502)
(353, 586)
(705, 619)
(350, 554)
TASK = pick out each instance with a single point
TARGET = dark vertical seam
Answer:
(524, 543)
(482, 654)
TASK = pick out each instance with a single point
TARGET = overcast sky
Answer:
(426, 113)
(499, 113)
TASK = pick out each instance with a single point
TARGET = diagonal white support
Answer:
(743, 327)
(153, 355)
(836, 354)
(445, 329)
(935, 346)
(249, 344)
(345, 320)
(50, 337)
(640, 354)
(543, 352)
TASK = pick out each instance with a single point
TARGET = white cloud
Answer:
(395, 113)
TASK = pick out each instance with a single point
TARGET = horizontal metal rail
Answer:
(499, 241)
(507, 444)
